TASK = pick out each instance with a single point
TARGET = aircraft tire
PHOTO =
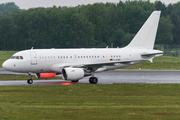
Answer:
(30, 81)
(93, 80)
(90, 80)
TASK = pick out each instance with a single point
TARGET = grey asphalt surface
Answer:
(109, 77)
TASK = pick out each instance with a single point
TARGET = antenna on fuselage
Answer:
(107, 47)
(32, 48)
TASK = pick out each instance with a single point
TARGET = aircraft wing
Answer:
(100, 66)
(89, 66)
(109, 63)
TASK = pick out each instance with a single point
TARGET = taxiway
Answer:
(109, 77)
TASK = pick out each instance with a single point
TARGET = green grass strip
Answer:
(117, 101)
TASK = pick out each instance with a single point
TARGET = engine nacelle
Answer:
(45, 75)
(73, 73)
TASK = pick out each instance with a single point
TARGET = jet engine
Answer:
(74, 73)
(45, 75)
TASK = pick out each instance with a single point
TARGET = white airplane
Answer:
(75, 64)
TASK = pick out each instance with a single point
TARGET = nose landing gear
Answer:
(30, 81)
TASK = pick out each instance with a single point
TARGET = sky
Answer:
(26, 4)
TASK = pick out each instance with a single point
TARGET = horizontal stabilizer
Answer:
(150, 55)
(153, 52)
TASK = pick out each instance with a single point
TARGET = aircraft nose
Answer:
(5, 65)
(11, 66)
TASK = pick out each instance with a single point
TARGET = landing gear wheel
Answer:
(74, 80)
(93, 80)
(90, 79)
(30, 81)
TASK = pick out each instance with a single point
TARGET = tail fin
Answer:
(145, 38)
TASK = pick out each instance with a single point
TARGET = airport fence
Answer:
(170, 50)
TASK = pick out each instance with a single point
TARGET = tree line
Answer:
(92, 25)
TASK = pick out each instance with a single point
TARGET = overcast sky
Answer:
(26, 4)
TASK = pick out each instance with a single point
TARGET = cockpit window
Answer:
(17, 57)
(13, 57)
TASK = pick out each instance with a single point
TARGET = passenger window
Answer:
(17, 57)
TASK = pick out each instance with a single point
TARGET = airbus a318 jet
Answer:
(75, 64)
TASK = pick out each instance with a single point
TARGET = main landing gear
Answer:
(93, 80)
(30, 81)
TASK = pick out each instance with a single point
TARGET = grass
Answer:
(4, 55)
(118, 101)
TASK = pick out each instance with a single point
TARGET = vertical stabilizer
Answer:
(145, 37)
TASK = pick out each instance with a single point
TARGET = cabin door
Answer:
(33, 58)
